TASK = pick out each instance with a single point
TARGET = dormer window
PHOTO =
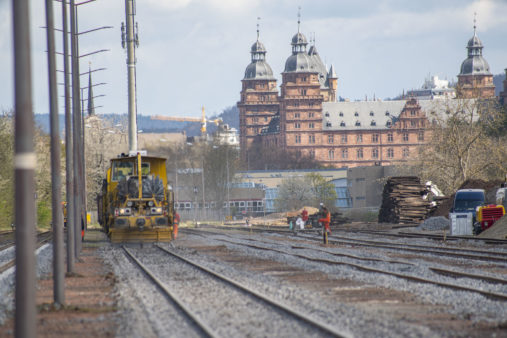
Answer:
(328, 124)
(356, 114)
(372, 113)
(373, 123)
(341, 114)
(326, 114)
(388, 123)
(342, 124)
(358, 124)
(387, 113)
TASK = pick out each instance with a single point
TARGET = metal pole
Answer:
(76, 128)
(24, 165)
(57, 216)
(228, 194)
(68, 147)
(131, 66)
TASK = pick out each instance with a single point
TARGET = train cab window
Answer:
(145, 169)
(122, 169)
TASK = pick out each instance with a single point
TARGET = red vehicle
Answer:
(487, 215)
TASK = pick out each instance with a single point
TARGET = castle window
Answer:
(412, 113)
(296, 115)
(374, 153)
(358, 124)
(326, 114)
(341, 114)
(372, 113)
(413, 123)
(330, 154)
(265, 119)
(311, 139)
(390, 137)
(311, 114)
(390, 153)
(373, 123)
(330, 138)
(302, 91)
(255, 119)
(296, 104)
(328, 124)
(359, 153)
(298, 138)
(356, 114)
(359, 138)
(405, 152)
(303, 79)
(405, 137)
(387, 112)
(297, 125)
(374, 138)
(342, 124)
(311, 125)
(345, 153)
(420, 136)
(344, 138)
(388, 124)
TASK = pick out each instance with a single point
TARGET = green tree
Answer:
(6, 170)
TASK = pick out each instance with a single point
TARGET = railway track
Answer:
(42, 238)
(311, 323)
(454, 273)
(468, 253)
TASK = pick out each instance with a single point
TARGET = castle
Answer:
(306, 120)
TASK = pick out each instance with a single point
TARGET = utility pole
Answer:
(69, 172)
(130, 41)
(58, 266)
(24, 167)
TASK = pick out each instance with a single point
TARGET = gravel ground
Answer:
(7, 278)
(458, 301)
(435, 223)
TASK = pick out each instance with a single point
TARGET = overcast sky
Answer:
(194, 52)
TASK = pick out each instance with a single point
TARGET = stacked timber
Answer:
(402, 201)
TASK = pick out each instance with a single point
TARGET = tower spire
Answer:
(475, 22)
(299, 17)
(258, 21)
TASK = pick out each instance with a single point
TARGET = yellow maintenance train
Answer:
(136, 203)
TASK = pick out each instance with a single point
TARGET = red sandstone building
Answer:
(304, 118)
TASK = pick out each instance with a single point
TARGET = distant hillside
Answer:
(147, 125)
(498, 82)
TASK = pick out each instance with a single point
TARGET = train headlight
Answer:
(156, 211)
(124, 211)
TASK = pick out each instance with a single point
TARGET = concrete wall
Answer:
(366, 185)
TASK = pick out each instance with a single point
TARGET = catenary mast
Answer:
(130, 41)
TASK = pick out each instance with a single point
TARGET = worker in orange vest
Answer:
(176, 223)
(326, 219)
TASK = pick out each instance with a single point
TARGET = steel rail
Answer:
(43, 238)
(492, 295)
(304, 317)
(434, 269)
(172, 297)
(454, 252)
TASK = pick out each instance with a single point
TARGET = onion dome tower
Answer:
(475, 79)
(259, 97)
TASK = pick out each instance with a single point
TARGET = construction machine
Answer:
(137, 203)
(203, 120)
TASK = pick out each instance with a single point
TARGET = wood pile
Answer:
(402, 201)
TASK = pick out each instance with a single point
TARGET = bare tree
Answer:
(463, 145)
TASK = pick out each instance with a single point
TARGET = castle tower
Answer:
(301, 100)
(475, 79)
(259, 98)
(332, 84)
(503, 95)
